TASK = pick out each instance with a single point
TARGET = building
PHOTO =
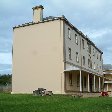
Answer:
(108, 81)
(51, 53)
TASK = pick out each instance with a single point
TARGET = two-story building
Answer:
(51, 53)
(108, 80)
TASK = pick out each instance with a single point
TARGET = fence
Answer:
(7, 88)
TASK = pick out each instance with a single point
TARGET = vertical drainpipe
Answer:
(62, 60)
(64, 51)
(60, 57)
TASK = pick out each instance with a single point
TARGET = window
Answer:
(77, 57)
(100, 67)
(70, 79)
(100, 57)
(94, 66)
(84, 81)
(89, 48)
(83, 43)
(89, 63)
(97, 67)
(83, 60)
(93, 52)
(69, 34)
(76, 39)
(97, 56)
(78, 80)
(69, 53)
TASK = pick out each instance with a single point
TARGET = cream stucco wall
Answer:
(38, 58)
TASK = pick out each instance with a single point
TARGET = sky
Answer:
(92, 17)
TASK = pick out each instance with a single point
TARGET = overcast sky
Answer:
(92, 17)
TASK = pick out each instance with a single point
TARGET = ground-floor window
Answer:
(70, 79)
(78, 80)
(84, 81)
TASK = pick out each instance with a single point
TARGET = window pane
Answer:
(69, 34)
(69, 51)
(76, 39)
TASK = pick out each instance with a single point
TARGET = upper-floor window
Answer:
(97, 67)
(94, 66)
(97, 56)
(69, 33)
(83, 60)
(83, 43)
(77, 57)
(69, 53)
(89, 63)
(93, 52)
(100, 67)
(89, 47)
(100, 57)
(76, 39)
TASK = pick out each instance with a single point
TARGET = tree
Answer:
(5, 79)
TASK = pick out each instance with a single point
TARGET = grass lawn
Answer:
(55, 103)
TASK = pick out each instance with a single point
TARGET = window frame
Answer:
(77, 57)
(85, 84)
(94, 66)
(69, 33)
(83, 44)
(76, 39)
(83, 60)
(89, 62)
(70, 79)
(89, 47)
(69, 53)
(78, 80)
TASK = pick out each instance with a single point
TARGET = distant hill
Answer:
(107, 66)
(5, 69)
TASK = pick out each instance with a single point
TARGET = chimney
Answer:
(38, 13)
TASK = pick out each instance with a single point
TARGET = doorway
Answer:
(90, 83)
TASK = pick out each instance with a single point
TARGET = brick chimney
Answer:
(38, 13)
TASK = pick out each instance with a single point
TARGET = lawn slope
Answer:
(55, 103)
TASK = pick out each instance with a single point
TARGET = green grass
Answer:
(55, 103)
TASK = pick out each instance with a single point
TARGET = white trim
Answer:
(80, 81)
(99, 84)
(88, 84)
(71, 68)
(108, 82)
(107, 73)
(94, 84)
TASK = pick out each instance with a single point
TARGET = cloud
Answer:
(102, 37)
(5, 68)
(5, 58)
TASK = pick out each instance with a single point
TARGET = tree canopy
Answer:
(5, 79)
